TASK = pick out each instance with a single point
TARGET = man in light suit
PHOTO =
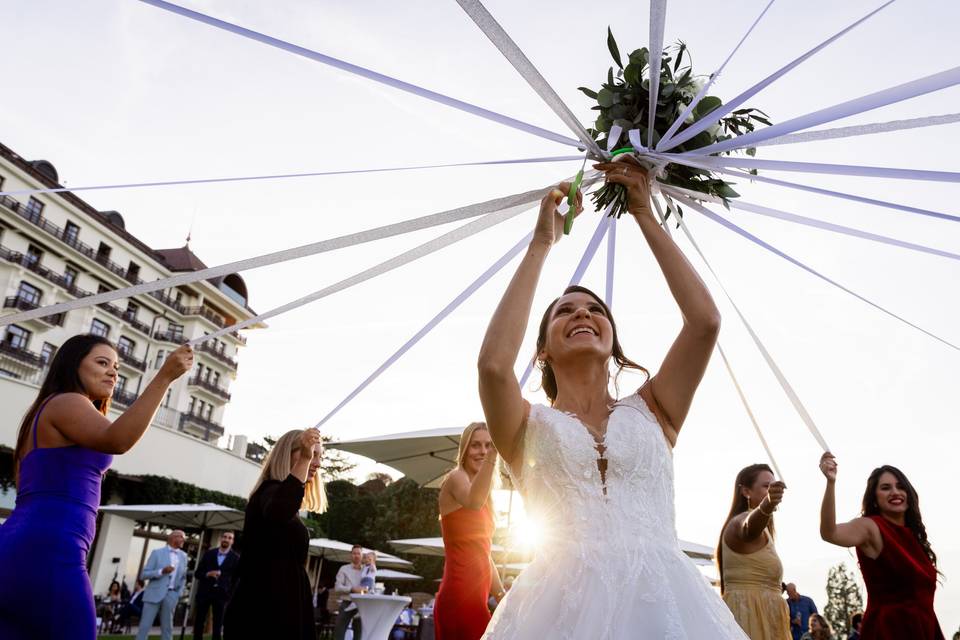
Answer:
(166, 571)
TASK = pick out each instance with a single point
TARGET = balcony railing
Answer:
(20, 353)
(25, 304)
(208, 426)
(167, 336)
(128, 358)
(123, 398)
(36, 217)
(197, 381)
(219, 354)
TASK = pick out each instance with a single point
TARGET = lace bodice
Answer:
(563, 489)
(609, 566)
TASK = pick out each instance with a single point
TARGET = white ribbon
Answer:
(861, 130)
(427, 328)
(891, 95)
(817, 167)
(753, 418)
(363, 72)
(515, 56)
(736, 203)
(774, 368)
(665, 139)
(658, 19)
(369, 235)
(165, 183)
(769, 247)
(406, 257)
(708, 120)
(690, 161)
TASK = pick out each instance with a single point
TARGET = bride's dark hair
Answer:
(547, 378)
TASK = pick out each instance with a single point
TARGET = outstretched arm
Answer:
(683, 368)
(473, 494)
(499, 389)
(859, 532)
(77, 420)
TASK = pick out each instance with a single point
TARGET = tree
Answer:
(843, 599)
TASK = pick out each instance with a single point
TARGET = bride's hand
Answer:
(636, 180)
(549, 223)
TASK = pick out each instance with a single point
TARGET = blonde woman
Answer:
(466, 519)
(272, 597)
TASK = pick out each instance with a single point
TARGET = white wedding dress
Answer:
(609, 566)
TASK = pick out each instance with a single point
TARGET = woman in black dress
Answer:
(272, 597)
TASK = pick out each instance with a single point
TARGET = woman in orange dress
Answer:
(466, 519)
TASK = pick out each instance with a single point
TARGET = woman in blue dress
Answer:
(64, 446)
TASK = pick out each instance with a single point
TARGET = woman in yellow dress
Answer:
(750, 569)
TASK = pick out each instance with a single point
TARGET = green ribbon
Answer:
(572, 203)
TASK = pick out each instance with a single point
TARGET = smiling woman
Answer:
(899, 567)
(64, 447)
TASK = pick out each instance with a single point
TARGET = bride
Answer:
(597, 472)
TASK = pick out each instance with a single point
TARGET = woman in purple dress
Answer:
(64, 446)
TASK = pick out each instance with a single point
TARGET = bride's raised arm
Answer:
(500, 396)
(679, 376)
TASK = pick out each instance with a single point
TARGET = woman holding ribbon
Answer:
(65, 445)
(898, 564)
(467, 523)
(750, 569)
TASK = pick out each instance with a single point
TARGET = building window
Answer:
(99, 328)
(1, 181)
(29, 293)
(17, 337)
(159, 361)
(207, 411)
(71, 233)
(70, 276)
(193, 403)
(216, 378)
(132, 310)
(126, 346)
(166, 401)
(34, 255)
(206, 374)
(46, 353)
(103, 252)
(102, 288)
(33, 209)
(133, 272)
(175, 330)
(121, 384)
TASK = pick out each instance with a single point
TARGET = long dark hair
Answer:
(547, 378)
(62, 377)
(912, 518)
(746, 478)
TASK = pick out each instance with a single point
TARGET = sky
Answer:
(115, 91)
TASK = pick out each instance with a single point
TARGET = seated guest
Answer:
(403, 629)
(819, 628)
(855, 621)
(132, 608)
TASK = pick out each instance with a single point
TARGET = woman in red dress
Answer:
(466, 519)
(897, 563)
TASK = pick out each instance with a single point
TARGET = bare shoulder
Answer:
(455, 479)
(69, 403)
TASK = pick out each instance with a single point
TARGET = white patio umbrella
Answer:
(390, 574)
(337, 551)
(434, 547)
(423, 456)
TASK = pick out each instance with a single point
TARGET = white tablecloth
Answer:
(378, 613)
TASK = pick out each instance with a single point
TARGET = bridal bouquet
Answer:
(624, 100)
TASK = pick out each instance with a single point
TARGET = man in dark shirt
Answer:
(214, 579)
(800, 609)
